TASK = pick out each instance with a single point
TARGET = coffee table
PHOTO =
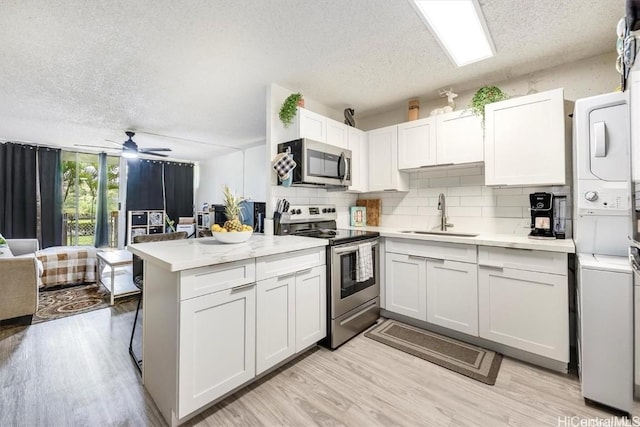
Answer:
(115, 273)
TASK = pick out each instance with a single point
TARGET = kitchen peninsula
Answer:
(218, 316)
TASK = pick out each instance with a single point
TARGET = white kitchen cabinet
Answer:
(311, 306)
(275, 329)
(383, 161)
(337, 133)
(358, 144)
(452, 295)
(527, 140)
(406, 285)
(417, 143)
(459, 138)
(527, 310)
(217, 345)
(312, 125)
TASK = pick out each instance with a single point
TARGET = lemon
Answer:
(222, 230)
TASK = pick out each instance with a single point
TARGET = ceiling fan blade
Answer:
(119, 144)
(100, 147)
(153, 154)
(146, 150)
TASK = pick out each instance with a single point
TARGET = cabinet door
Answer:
(452, 295)
(359, 160)
(525, 140)
(311, 307)
(525, 310)
(312, 125)
(406, 285)
(275, 328)
(417, 143)
(459, 138)
(217, 345)
(383, 161)
(336, 133)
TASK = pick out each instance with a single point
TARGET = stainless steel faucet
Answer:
(442, 206)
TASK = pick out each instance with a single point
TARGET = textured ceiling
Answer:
(79, 71)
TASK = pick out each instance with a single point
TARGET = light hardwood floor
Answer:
(77, 372)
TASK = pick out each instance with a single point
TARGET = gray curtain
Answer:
(18, 191)
(102, 214)
(49, 166)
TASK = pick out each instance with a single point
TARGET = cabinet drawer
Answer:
(290, 262)
(523, 259)
(202, 281)
(437, 250)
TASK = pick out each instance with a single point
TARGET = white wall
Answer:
(242, 171)
(588, 77)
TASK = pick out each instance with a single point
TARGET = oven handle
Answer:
(340, 250)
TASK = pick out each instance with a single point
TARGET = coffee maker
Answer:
(541, 216)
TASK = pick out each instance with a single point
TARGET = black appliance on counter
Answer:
(252, 213)
(541, 216)
(352, 306)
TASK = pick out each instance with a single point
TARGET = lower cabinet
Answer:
(217, 345)
(452, 295)
(406, 285)
(291, 315)
(527, 310)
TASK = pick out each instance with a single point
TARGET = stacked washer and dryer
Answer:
(602, 230)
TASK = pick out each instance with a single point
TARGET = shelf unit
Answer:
(145, 222)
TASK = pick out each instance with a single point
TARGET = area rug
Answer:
(58, 303)
(466, 359)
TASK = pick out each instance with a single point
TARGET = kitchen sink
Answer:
(440, 233)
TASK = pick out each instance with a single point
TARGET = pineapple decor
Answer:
(232, 212)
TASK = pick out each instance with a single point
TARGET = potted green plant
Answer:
(486, 95)
(289, 108)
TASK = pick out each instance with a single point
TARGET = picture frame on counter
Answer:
(358, 216)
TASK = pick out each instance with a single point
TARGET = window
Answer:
(80, 195)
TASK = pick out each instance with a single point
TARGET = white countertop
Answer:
(482, 239)
(177, 255)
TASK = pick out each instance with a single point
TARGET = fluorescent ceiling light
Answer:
(459, 27)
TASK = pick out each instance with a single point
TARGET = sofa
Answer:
(19, 279)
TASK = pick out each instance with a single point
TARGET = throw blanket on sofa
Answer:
(65, 265)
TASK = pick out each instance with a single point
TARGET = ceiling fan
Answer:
(129, 148)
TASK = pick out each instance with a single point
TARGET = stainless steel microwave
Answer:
(318, 164)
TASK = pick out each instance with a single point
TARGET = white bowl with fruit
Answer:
(233, 231)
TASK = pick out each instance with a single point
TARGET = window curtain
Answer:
(144, 185)
(50, 180)
(18, 191)
(101, 238)
(31, 193)
(178, 186)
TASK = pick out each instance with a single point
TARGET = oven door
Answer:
(346, 292)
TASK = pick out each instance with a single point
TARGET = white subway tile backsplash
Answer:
(476, 201)
(520, 200)
(471, 205)
(472, 180)
(452, 181)
(464, 191)
(464, 211)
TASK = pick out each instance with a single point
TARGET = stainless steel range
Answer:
(353, 305)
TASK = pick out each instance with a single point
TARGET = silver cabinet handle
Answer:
(416, 257)
(239, 287)
(435, 259)
(306, 270)
(495, 267)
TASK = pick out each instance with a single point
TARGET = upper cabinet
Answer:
(357, 143)
(445, 139)
(417, 143)
(527, 140)
(459, 138)
(337, 133)
(383, 161)
(311, 125)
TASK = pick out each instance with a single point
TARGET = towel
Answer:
(364, 262)
(283, 163)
